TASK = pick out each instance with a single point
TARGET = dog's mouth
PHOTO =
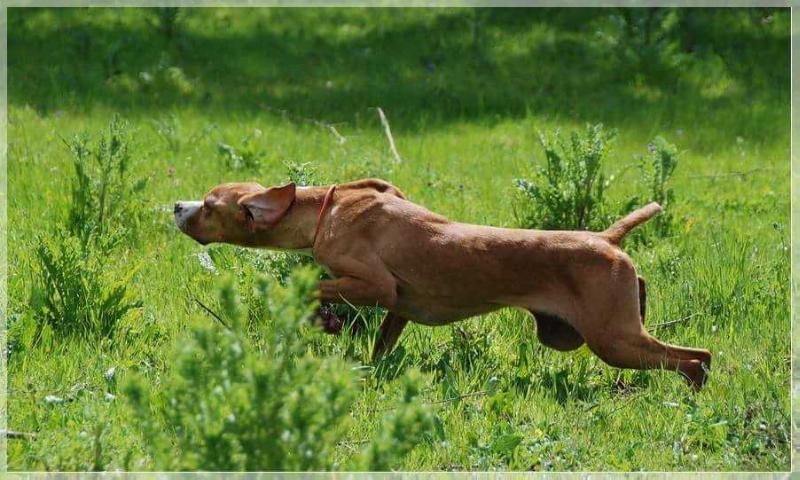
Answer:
(184, 229)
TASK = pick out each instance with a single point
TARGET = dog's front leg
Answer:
(390, 331)
(359, 292)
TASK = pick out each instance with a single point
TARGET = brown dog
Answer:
(384, 250)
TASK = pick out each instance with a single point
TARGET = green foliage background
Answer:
(214, 95)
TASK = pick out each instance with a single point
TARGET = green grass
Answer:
(465, 92)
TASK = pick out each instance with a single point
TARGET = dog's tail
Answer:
(615, 233)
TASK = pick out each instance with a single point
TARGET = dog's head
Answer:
(237, 213)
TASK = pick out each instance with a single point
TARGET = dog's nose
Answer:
(178, 207)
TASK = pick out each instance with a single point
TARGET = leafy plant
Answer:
(236, 404)
(168, 128)
(73, 296)
(102, 207)
(72, 293)
(166, 20)
(246, 156)
(657, 168)
(568, 192)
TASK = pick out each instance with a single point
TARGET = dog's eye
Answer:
(248, 215)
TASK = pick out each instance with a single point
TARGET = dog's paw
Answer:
(331, 323)
(695, 372)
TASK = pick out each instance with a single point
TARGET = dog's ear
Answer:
(269, 206)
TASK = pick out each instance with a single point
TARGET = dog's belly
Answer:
(438, 311)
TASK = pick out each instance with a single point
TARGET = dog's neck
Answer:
(296, 229)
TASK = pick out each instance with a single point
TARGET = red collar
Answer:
(325, 203)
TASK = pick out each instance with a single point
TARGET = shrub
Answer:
(103, 209)
(166, 20)
(168, 129)
(238, 403)
(568, 192)
(72, 296)
(647, 41)
(246, 156)
(657, 168)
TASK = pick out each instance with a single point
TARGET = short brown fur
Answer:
(382, 249)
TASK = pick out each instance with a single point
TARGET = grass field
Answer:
(465, 92)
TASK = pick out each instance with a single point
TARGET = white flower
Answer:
(206, 262)
(53, 399)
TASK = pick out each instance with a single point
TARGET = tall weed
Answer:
(244, 156)
(657, 168)
(103, 207)
(73, 295)
(232, 403)
(569, 191)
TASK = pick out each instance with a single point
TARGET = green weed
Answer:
(657, 169)
(103, 207)
(74, 296)
(237, 405)
(246, 156)
(569, 191)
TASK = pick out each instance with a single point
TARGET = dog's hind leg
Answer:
(642, 297)
(556, 333)
(639, 350)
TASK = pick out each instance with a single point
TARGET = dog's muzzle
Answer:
(184, 211)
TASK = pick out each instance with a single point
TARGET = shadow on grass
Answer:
(424, 67)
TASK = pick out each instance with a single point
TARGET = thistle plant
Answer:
(568, 191)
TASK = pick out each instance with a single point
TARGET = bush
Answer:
(238, 402)
(168, 129)
(246, 156)
(657, 168)
(103, 207)
(72, 296)
(166, 20)
(568, 192)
